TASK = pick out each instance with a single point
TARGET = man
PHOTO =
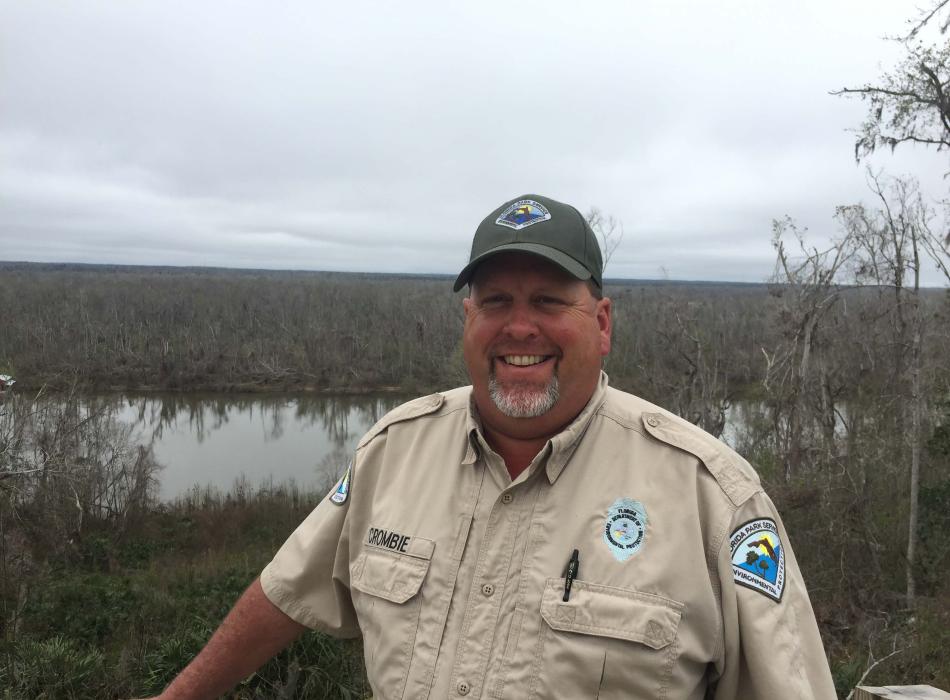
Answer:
(539, 534)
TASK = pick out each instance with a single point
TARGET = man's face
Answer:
(533, 342)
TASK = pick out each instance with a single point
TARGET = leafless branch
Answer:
(925, 19)
(873, 665)
(609, 230)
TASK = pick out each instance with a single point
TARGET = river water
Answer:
(216, 440)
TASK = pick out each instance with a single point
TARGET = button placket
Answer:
(481, 615)
(529, 531)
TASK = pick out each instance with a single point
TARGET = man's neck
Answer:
(519, 441)
(516, 453)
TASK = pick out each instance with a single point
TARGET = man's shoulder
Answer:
(439, 403)
(732, 472)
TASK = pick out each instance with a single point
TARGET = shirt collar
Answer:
(558, 449)
(473, 431)
(565, 442)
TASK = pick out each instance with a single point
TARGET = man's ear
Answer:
(605, 324)
(467, 306)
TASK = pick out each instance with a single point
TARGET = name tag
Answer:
(388, 539)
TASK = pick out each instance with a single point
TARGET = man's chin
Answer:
(523, 401)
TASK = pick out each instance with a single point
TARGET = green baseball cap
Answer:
(540, 226)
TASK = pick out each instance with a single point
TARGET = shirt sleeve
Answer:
(771, 646)
(309, 577)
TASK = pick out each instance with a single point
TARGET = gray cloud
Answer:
(364, 136)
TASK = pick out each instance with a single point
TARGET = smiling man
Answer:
(533, 341)
(538, 534)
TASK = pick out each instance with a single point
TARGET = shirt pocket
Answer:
(387, 607)
(605, 642)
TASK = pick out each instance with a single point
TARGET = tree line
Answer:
(192, 329)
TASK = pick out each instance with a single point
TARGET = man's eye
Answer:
(549, 301)
(493, 301)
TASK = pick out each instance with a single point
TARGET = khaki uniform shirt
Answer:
(454, 574)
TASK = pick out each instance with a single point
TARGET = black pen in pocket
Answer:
(570, 573)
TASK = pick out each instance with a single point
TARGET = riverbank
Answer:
(73, 382)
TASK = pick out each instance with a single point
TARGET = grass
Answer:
(119, 619)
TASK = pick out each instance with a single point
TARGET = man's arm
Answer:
(772, 648)
(253, 632)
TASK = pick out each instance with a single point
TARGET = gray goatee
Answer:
(523, 401)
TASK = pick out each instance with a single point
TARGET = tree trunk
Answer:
(916, 408)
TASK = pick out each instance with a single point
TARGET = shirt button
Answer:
(463, 688)
(652, 422)
(488, 589)
(507, 498)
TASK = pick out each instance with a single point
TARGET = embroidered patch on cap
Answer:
(343, 489)
(522, 214)
(758, 560)
(625, 528)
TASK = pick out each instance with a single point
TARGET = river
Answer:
(217, 439)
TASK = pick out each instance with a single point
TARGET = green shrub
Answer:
(56, 668)
(172, 653)
(87, 608)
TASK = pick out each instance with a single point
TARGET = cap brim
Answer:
(562, 260)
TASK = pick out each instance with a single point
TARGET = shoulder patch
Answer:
(735, 477)
(342, 490)
(758, 558)
(407, 411)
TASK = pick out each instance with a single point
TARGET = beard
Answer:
(523, 400)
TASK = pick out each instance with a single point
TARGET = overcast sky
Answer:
(374, 136)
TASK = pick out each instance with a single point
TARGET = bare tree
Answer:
(909, 104)
(797, 372)
(608, 229)
(680, 349)
(926, 16)
(891, 243)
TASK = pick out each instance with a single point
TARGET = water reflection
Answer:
(219, 440)
(223, 440)
(205, 414)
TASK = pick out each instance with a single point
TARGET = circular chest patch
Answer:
(625, 528)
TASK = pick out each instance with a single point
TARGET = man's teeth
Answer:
(524, 360)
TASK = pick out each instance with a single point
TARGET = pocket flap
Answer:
(606, 611)
(390, 575)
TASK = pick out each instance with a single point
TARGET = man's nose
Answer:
(521, 322)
